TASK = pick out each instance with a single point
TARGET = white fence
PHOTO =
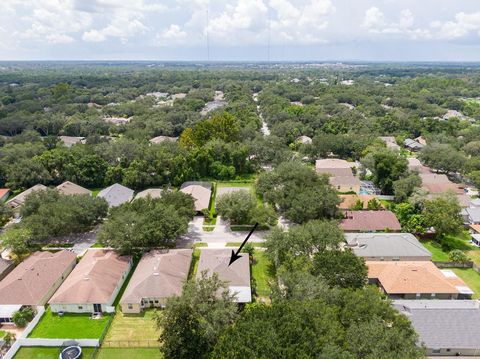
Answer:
(24, 341)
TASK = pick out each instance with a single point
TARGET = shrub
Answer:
(23, 316)
(457, 256)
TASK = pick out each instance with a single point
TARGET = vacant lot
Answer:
(133, 328)
(131, 353)
(69, 326)
(47, 353)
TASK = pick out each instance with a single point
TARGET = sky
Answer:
(240, 30)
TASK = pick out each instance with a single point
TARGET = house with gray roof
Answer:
(445, 327)
(471, 215)
(237, 275)
(387, 247)
(116, 194)
(412, 145)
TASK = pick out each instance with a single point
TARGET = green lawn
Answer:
(471, 278)
(132, 327)
(262, 273)
(2, 333)
(95, 191)
(70, 326)
(130, 353)
(435, 248)
(246, 184)
(47, 353)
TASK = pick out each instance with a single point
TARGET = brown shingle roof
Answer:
(158, 275)
(70, 188)
(200, 194)
(31, 280)
(18, 200)
(368, 221)
(94, 279)
(349, 200)
(412, 277)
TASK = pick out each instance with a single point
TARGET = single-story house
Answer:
(160, 139)
(416, 280)
(445, 327)
(415, 165)
(70, 188)
(158, 276)
(116, 194)
(6, 266)
(471, 215)
(412, 145)
(237, 275)
(435, 183)
(370, 221)
(201, 193)
(94, 283)
(7, 312)
(69, 141)
(35, 280)
(390, 142)
(4, 193)
(387, 247)
(152, 192)
(19, 199)
(117, 120)
(341, 175)
(421, 140)
(350, 200)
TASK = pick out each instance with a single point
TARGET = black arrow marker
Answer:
(234, 255)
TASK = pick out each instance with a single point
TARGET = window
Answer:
(418, 295)
(80, 307)
(156, 301)
(433, 295)
(396, 258)
(130, 306)
(436, 351)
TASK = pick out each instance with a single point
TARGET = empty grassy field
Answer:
(71, 326)
(133, 327)
(129, 353)
(47, 353)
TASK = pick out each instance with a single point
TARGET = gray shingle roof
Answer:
(444, 323)
(116, 194)
(386, 245)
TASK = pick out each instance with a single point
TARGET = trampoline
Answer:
(71, 352)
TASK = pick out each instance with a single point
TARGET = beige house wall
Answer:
(139, 307)
(391, 259)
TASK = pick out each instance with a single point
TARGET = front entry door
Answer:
(97, 308)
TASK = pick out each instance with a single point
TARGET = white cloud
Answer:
(171, 36)
(376, 22)
(463, 25)
(59, 39)
(93, 36)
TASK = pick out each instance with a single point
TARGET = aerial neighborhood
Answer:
(191, 212)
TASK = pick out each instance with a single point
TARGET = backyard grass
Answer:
(47, 353)
(95, 191)
(474, 255)
(133, 327)
(2, 333)
(262, 274)
(130, 353)
(70, 326)
(438, 255)
(471, 278)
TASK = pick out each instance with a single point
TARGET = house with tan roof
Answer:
(370, 221)
(152, 192)
(35, 280)
(70, 188)
(415, 165)
(435, 183)
(94, 283)
(158, 276)
(416, 280)
(161, 139)
(390, 142)
(237, 275)
(19, 199)
(340, 172)
(69, 141)
(201, 193)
